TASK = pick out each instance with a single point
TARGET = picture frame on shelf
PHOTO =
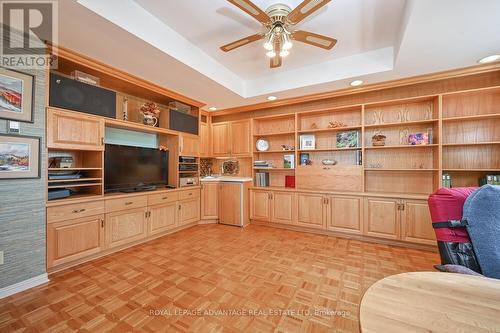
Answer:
(348, 139)
(289, 161)
(307, 142)
(16, 95)
(304, 158)
(19, 157)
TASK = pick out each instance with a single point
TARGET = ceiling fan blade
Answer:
(251, 9)
(276, 62)
(306, 8)
(241, 42)
(322, 41)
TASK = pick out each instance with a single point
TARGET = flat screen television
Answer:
(130, 169)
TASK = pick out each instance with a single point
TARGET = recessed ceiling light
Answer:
(488, 59)
(272, 98)
(356, 83)
(212, 108)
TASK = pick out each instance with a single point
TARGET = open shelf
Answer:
(275, 134)
(72, 180)
(406, 123)
(275, 169)
(402, 146)
(275, 152)
(386, 169)
(336, 129)
(471, 144)
(473, 117)
(74, 169)
(328, 149)
(74, 185)
(482, 104)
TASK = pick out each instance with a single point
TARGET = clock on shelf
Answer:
(262, 145)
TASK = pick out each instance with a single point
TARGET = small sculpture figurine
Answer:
(378, 140)
(336, 124)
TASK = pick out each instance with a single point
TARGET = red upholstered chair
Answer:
(454, 244)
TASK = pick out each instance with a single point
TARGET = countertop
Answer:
(234, 179)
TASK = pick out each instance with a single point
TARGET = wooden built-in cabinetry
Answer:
(83, 230)
(210, 201)
(231, 139)
(398, 219)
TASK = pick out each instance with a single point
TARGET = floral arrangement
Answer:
(150, 109)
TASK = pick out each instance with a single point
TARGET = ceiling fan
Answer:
(278, 21)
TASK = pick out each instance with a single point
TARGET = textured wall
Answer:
(22, 206)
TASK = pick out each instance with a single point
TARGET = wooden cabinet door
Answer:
(189, 211)
(74, 239)
(125, 226)
(209, 201)
(204, 140)
(382, 217)
(260, 205)
(416, 223)
(74, 131)
(345, 214)
(283, 207)
(240, 138)
(189, 145)
(220, 139)
(311, 210)
(230, 208)
(162, 218)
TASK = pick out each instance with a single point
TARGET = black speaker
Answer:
(74, 95)
(183, 122)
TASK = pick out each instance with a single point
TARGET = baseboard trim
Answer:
(24, 285)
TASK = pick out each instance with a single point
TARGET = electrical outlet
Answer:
(1, 257)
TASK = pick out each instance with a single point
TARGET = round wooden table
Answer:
(431, 302)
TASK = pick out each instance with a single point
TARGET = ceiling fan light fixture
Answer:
(284, 53)
(271, 54)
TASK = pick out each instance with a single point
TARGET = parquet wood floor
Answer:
(318, 280)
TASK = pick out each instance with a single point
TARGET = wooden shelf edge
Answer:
(402, 146)
(406, 123)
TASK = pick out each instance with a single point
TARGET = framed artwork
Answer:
(16, 95)
(307, 142)
(19, 156)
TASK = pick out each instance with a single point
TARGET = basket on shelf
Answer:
(378, 140)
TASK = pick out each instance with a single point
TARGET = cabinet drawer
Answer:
(156, 199)
(74, 211)
(189, 194)
(115, 205)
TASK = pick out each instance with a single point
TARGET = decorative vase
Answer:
(149, 120)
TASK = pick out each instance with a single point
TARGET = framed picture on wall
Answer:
(16, 95)
(19, 156)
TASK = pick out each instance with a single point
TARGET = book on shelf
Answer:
(359, 157)
(261, 179)
(304, 158)
(262, 164)
(289, 161)
(348, 139)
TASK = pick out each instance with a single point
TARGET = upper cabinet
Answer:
(189, 145)
(204, 140)
(231, 139)
(240, 138)
(71, 130)
(220, 139)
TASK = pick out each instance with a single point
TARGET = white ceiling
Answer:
(176, 43)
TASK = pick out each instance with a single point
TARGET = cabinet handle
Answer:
(402, 206)
(102, 141)
(102, 223)
(179, 207)
(164, 198)
(128, 203)
(326, 168)
(190, 193)
(76, 211)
